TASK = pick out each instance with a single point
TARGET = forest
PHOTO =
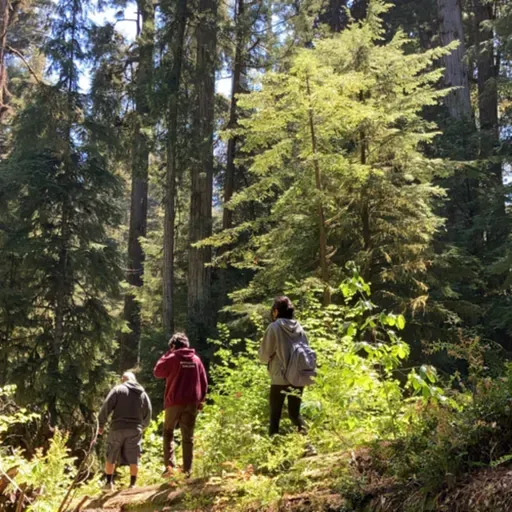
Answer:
(174, 165)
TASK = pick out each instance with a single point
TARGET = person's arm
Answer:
(107, 408)
(268, 345)
(148, 411)
(203, 380)
(163, 368)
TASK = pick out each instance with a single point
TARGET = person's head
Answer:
(128, 377)
(282, 308)
(179, 340)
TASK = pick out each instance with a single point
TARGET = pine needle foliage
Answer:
(60, 267)
(353, 107)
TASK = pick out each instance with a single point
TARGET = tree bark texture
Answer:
(200, 316)
(229, 185)
(4, 25)
(171, 170)
(458, 101)
(129, 349)
(487, 68)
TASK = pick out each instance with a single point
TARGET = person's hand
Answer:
(100, 431)
(200, 407)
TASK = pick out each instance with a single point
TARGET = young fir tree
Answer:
(65, 267)
(336, 145)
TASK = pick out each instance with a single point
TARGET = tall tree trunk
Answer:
(63, 289)
(236, 88)
(324, 264)
(4, 24)
(487, 67)
(458, 101)
(199, 275)
(170, 181)
(337, 15)
(487, 77)
(463, 206)
(129, 350)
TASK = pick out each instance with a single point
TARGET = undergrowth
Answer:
(366, 424)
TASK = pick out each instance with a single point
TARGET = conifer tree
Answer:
(350, 108)
(200, 316)
(62, 204)
(143, 123)
(176, 48)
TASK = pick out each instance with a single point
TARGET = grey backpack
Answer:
(301, 369)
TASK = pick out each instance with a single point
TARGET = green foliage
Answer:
(47, 475)
(356, 398)
(10, 412)
(353, 107)
(60, 267)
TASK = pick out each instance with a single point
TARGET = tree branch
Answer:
(22, 57)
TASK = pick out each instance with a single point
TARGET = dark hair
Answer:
(179, 340)
(284, 307)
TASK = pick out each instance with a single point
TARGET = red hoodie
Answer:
(186, 377)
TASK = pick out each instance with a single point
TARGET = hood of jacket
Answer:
(185, 353)
(291, 327)
(134, 386)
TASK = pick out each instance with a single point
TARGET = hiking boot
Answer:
(169, 471)
(309, 450)
(108, 487)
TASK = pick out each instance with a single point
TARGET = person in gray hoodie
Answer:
(275, 352)
(131, 413)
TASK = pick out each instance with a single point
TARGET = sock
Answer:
(109, 478)
(133, 479)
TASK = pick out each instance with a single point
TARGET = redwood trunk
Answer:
(200, 316)
(170, 190)
(129, 350)
(487, 67)
(236, 88)
(456, 72)
(4, 24)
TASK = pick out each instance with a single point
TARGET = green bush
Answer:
(356, 396)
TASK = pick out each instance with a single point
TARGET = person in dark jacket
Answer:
(275, 352)
(185, 391)
(131, 414)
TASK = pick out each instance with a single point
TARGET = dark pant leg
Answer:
(172, 415)
(187, 426)
(294, 403)
(277, 396)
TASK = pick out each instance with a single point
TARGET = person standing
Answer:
(291, 364)
(185, 391)
(131, 414)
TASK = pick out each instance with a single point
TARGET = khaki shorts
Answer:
(124, 446)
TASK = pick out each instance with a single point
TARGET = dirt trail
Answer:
(211, 495)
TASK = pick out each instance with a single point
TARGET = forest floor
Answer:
(485, 490)
(230, 493)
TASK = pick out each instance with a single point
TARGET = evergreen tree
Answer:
(64, 264)
(342, 132)
(142, 121)
(200, 316)
(176, 48)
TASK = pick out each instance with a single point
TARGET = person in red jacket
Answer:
(185, 391)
